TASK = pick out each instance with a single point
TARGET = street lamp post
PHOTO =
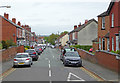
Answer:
(5, 6)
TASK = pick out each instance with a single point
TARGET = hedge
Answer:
(84, 47)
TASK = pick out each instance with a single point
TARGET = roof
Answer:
(107, 35)
(95, 40)
(84, 25)
(103, 14)
(11, 22)
(110, 6)
(106, 13)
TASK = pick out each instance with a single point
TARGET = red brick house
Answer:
(8, 28)
(73, 35)
(109, 27)
(114, 13)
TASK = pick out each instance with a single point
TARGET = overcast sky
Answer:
(50, 16)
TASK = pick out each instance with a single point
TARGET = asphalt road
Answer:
(49, 68)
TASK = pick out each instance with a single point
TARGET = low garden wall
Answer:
(9, 53)
(103, 58)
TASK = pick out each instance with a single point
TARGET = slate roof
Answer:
(95, 40)
(106, 13)
(11, 22)
(82, 26)
(103, 14)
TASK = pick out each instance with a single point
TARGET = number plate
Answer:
(21, 63)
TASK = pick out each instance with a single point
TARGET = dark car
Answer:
(64, 50)
(33, 54)
(72, 58)
(38, 50)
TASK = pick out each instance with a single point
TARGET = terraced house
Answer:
(14, 31)
(84, 34)
(109, 28)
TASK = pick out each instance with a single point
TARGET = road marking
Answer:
(49, 65)
(53, 56)
(49, 73)
(69, 76)
(92, 74)
(49, 61)
(5, 74)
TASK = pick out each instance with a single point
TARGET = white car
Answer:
(22, 59)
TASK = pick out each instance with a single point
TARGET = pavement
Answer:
(49, 68)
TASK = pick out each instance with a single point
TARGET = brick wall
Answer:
(103, 58)
(11, 52)
(95, 46)
(108, 60)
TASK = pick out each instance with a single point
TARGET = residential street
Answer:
(49, 68)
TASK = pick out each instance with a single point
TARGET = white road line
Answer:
(69, 76)
(49, 73)
(53, 56)
(49, 65)
(49, 61)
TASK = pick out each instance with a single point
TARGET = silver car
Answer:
(72, 58)
(22, 59)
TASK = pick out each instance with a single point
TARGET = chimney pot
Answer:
(75, 27)
(79, 24)
(14, 20)
(6, 15)
(86, 21)
(19, 23)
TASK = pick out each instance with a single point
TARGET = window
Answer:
(103, 22)
(117, 43)
(73, 36)
(99, 43)
(108, 44)
(112, 20)
(103, 44)
(112, 43)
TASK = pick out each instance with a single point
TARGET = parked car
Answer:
(33, 54)
(22, 59)
(38, 50)
(72, 58)
(52, 46)
(64, 50)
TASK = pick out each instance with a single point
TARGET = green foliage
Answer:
(51, 39)
(28, 47)
(117, 52)
(7, 44)
(10, 43)
(65, 32)
(0, 45)
(84, 47)
(4, 44)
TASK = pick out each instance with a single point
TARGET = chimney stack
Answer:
(75, 27)
(19, 23)
(79, 24)
(6, 16)
(86, 21)
(14, 20)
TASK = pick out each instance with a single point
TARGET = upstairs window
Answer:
(112, 20)
(103, 22)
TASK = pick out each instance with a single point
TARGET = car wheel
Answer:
(32, 63)
(14, 66)
(29, 65)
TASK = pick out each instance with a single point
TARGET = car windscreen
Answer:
(29, 51)
(72, 54)
(21, 56)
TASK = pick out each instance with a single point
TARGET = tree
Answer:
(65, 32)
